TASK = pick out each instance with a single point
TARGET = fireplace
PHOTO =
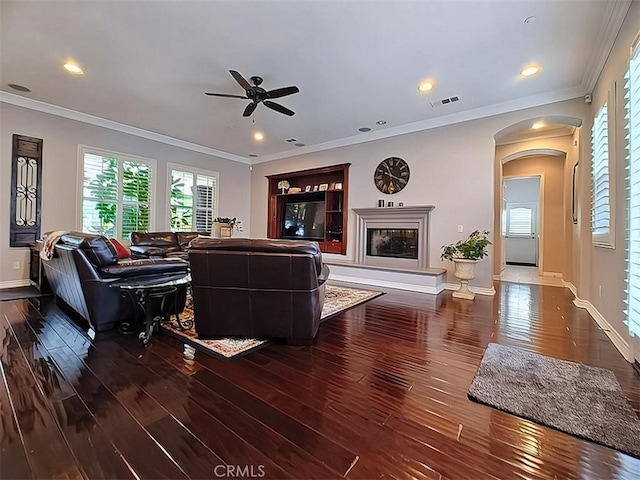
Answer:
(395, 238)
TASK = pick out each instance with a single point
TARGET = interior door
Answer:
(521, 240)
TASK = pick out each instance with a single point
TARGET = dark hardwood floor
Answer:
(382, 394)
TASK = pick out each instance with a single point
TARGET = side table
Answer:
(151, 295)
(37, 276)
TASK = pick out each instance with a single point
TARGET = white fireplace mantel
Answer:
(416, 217)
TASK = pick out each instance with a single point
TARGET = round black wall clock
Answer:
(391, 175)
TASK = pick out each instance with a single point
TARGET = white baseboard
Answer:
(618, 341)
(15, 283)
(572, 288)
(552, 274)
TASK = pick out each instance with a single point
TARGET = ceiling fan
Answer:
(257, 95)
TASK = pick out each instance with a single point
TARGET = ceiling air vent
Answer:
(445, 101)
(291, 140)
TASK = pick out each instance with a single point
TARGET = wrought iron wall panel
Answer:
(26, 190)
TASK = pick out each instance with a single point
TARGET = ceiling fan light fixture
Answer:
(530, 70)
(426, 86)
(72, 67)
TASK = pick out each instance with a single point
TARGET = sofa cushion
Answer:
(147, 251)
(98, 249)
(154, 239)
(121, 251)
(184, 238)
(261, 245)
(145, 266)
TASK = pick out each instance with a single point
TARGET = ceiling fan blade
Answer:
(240, 79)
(282, 92)
(279, 108)
(225, 95)
(249, 110)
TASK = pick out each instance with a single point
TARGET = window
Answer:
(116, 193)
(632, 97)
(193, 200)
(601, 212)
(520, 221)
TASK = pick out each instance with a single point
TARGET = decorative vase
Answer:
(465, 270)
(223, 230)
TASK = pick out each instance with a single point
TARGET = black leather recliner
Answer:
(257, 288)
(83, 267)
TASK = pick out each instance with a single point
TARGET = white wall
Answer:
(452, 167)
(60, 169)
(605, 289)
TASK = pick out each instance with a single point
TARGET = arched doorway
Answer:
(547, 154)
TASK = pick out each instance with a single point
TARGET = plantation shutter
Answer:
(136, 195)
(116, 194)
(181, 201)
(192, 201)
(100, 195)
(600, 170)
(520, 221)
(204, 207)
(632, 96)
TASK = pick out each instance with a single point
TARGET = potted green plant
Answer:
(465, 254)
(224, 226)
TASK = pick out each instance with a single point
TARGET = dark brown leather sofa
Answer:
(160, 244)
(257, 288)
(84, 266)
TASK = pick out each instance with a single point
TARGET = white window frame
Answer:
(194, 171)
(605, 237)
(120, 157)
(632, 135)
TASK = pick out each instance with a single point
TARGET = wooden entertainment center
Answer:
(324, 188)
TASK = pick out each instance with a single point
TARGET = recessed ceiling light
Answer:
(17, 87)
(530, 70)
(258, 136)
(73, 68)
(381, 122)
(426, 86)
(364, 129)
(537, 125)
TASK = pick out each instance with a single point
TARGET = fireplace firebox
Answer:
(392, 242)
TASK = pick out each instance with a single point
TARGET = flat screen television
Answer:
(303, 221)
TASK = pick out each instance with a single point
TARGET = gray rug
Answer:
(577, 399)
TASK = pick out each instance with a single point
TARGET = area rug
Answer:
(337, 299)
(571, 397)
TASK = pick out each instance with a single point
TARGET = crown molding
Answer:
(465, 116)
(20, 101)
(613, 19)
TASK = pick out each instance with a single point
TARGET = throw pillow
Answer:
(120, 250)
